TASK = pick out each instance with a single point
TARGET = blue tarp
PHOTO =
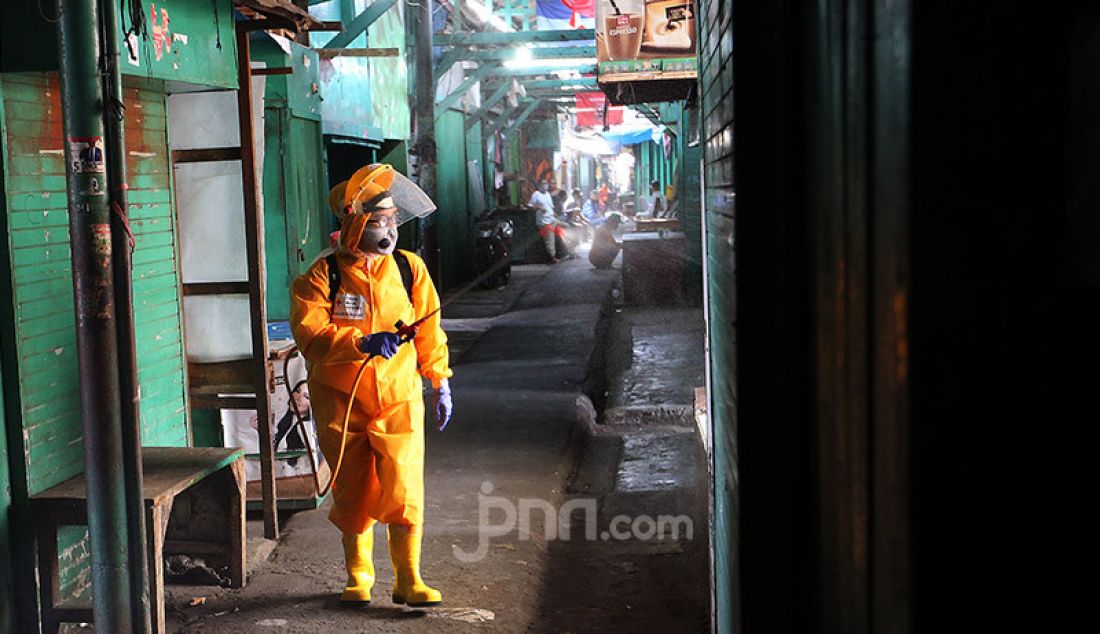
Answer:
(632, 136)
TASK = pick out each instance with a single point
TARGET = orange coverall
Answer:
(382, 476)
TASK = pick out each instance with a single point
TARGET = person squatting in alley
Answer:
(382, 474)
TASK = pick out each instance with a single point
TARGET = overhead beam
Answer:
(649, 113)
(554, 52)
(450, 99)
(502, 119)
(504, 71)
(329, 53)
(493, 100)
(454, 55)
(526, 113)
(520, 37)
(449, 58)
(537, 84)
(360, 23)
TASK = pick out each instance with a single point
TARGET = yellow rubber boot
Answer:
(405, 554)
(358, 556)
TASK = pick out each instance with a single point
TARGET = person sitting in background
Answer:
(656, 206)
(591, 210)
(575, 202)
(604, 245)
(559, 203)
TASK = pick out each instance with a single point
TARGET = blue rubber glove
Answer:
(382, 344)
(444, 406)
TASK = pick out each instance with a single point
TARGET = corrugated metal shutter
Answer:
(44, 328)
(158, 320)
(716, 79)
(42, 275)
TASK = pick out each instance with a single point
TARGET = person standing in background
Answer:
(549, 230)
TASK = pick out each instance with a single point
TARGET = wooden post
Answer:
(254, 244)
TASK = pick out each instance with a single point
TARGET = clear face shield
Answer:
(411, 201)
(378, 200)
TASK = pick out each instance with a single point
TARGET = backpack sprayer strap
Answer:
(403, 266)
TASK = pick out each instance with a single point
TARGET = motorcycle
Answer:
(493, 249)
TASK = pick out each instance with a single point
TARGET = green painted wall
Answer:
(452, 218)
(365, 98)
(295, 203)
(7, 598)
(475, 193)
(296, 213)
(198, 46)
(389, 76)
(651, 164)
(688, 191)
(39, 328)
(300, 91)
(716, 136)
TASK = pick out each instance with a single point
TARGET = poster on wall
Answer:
(240, 427)
(639, 40)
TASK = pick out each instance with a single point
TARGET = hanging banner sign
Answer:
(590, 110)
(639, 40)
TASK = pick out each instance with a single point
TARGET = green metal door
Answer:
(307, 213)
(295, 203)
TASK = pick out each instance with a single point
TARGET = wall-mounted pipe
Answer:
(90, 237)
(117, 185)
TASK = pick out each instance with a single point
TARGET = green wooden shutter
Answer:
(42, 329)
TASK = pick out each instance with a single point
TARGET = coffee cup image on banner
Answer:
(640, 29)
(619, 28)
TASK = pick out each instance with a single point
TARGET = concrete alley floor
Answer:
(525, 433)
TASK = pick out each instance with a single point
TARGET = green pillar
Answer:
(93, 289)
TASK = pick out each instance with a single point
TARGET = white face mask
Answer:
(381, 240)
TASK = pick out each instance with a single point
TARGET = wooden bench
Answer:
(194, 504)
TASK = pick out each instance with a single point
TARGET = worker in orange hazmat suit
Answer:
(343, 313)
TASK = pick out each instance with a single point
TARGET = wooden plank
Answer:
(273, 71)
(254, 248)
(328, 25)
(205, 155)
(73, 612)
(167, 472)
(215, 288)
(183, 547)
(235, 372)
(329, 53)
(235, 482)
(156, 519)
